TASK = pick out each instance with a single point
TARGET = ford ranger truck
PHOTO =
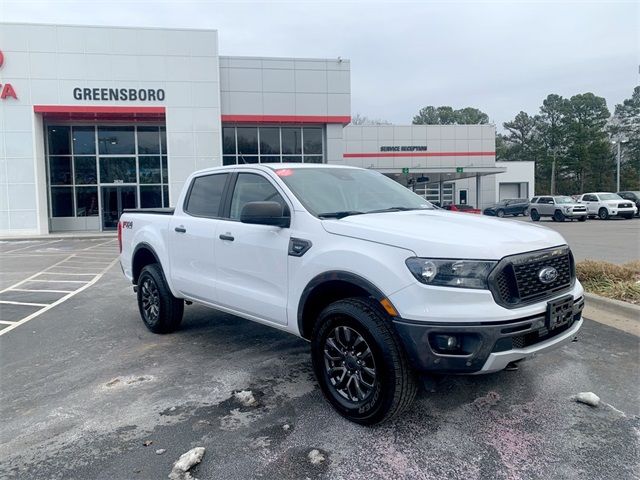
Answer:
(384, 286)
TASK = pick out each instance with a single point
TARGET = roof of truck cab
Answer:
(276, 166)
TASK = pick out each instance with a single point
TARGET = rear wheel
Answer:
(558, 216)
(535, 216)
(359, 363)
(161, 312)
(603, 213)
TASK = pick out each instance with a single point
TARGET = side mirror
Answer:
(265, 213)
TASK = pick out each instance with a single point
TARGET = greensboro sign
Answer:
(6, 89)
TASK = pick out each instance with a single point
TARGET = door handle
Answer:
(180, 230)
(230, 238)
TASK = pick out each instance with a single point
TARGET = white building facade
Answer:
(97, 119)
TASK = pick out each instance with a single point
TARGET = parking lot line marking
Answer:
(65, 273)
(39, 290)
(75, 267)
(59, 301)
(110, 241)
(53, 281)
(28, 304)
(28, 279)
(4, 322)
(32, 245)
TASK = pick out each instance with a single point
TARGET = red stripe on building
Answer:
(100, 112)
(418, 154)
(343, 119)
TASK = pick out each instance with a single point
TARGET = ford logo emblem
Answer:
(548, 275)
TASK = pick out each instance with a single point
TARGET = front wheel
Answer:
(583, 218)
(500, 213)
(359, 363)
(535, 216)
(161, 312)
(603, 213)
(558, 216)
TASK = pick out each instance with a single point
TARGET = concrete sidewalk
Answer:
(59, 236)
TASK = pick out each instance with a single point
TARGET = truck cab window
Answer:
(253, 188)
(205, 195)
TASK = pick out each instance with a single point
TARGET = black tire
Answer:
(500, 213)
(582, 219)
(558, 216)
(161, 312)
(535, 216)
(603, 213)
(393, 384)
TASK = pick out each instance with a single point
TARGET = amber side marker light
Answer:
(389, 308)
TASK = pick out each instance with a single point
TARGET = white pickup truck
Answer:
(384, 285)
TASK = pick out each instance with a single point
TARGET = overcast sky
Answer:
(501, 57)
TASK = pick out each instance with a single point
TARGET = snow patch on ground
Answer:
(245, 397)
(316, 457)
(588, 398)
(185, 462)
(127, 381)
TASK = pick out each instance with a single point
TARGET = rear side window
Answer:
(253, 188)
(534, 199)
(205, 195)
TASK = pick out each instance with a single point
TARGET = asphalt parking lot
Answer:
(85, 387)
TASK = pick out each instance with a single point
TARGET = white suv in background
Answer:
(605, 205)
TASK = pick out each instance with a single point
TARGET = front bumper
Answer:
(492, 345)
(572, 214)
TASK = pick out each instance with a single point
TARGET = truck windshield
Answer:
(610, 196)
(560, 200)
(340, 192)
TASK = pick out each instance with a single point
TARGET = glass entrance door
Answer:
(114, 200)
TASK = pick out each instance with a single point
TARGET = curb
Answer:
(613, 307)
(61, 236)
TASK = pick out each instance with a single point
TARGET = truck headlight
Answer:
(567, 209)
(451, 272)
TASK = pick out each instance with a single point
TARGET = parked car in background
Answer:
(559, 208)
(634, 196)
(607, 204)
(512, 206)
(463, 207)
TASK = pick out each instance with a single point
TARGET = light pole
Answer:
(618, 142)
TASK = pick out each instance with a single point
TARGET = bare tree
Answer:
(358, 119)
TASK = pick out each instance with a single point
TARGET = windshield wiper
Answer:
(339, 215)
(395, 209)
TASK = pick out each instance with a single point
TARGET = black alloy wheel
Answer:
(603, 213)
(359, 362)
(535, 216)
(349, 364)
(161, 312)
(500, 213)
(558, 216)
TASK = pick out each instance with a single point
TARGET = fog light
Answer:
(446, 342)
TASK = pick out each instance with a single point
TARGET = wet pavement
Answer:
(85, 386)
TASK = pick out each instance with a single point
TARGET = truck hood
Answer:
(436, 233)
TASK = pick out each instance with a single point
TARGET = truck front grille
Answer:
(624, 205)
(579, 209)
(516, 279)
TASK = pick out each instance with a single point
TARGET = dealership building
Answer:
(97, 119)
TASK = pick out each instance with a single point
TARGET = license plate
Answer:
(559, 312)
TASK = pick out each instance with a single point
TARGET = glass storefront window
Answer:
(165, 170)
(165, 195)
(85, 170)
(312, 141)
(229, 140)
(269, 141)
(150, 196)
(84, 140)
(149, 169)
(59, 142)
(116, 140)
(61, 201)
(276, 144)
(86, 201)
(163, 140)
(118, 170)
(247, 140)
(60, 171)
(148, 141)
(291, 141)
